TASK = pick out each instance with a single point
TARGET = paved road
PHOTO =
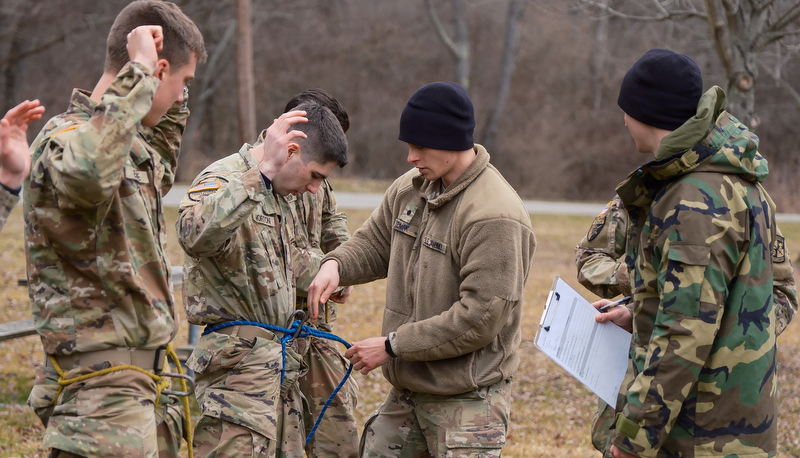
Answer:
(368, 201)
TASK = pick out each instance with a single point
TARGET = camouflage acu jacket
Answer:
(236, 265)
(7, 203)
(318, 228)
(95, 234)
(600, 259)
(699, 255)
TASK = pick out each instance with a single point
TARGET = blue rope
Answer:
(288, 335)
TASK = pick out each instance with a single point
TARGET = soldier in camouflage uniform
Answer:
(702, 241)
(238, 267)
(455, 243)
(95, 237)
(599, 258)
(15, 161)
(319, 228)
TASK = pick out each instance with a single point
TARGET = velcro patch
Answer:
(264, 219)
(196, 193)
(136, 175)
(406, 228)
(434, 244)
(779, 250)
(408, 213)
(597, 227)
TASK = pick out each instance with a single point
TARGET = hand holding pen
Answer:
(621, 316)
(624, 300)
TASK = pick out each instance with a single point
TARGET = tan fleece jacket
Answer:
(456, 266)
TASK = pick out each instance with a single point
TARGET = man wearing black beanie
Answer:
(701, 248)
(455, 243)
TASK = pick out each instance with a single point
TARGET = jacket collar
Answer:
(430, 190)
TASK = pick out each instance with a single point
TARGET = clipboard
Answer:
(596, 354)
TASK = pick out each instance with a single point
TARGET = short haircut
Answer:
(181, 35)
(326, 141)
(320, 97)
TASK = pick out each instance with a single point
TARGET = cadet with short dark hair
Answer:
(319, 228)
(238, 276)
(702, 242)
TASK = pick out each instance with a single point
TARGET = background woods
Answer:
(543, 74)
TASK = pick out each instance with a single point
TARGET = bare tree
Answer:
(245, 87)
(515, 9)
(742, 31)
(458, 45)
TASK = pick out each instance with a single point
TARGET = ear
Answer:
(294, 148)
(162, 69)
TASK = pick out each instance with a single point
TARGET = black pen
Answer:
(624, 300)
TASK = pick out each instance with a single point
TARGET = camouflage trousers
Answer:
(411, 424)
(337, 433)
(602, 427)
(246, 409)
(106, 415)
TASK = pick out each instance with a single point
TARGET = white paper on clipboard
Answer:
(596, 354)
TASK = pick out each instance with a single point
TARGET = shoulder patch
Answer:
(596, 227)
(196, 193)
(779, 250)
(67, 129)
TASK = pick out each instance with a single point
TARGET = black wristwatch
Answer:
(388, 347)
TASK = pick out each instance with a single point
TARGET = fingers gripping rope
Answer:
(295, 331)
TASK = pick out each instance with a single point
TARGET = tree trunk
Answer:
(245, 87)
(459, 45)
(515, 9)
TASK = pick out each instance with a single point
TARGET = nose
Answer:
(314, 186)
(412, 155)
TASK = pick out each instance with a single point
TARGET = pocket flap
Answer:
(695, 254)
(486, 437)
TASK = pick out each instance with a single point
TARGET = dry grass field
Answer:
(552, 413)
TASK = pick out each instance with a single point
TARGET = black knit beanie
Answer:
(662, 89)
(439, 116)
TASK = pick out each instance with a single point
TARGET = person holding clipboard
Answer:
(701, 247)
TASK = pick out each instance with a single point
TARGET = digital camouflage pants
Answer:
(411, 424)
(337, 433)
(246, 409)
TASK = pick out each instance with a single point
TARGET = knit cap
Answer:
(439, 116)
(662, 89)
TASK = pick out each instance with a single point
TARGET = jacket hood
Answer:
(711, 141)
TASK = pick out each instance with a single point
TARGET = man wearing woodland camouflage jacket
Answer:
(600, 259)
(95, 238)
(701, 246)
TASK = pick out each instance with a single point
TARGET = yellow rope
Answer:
(187, 418)
(161, 383)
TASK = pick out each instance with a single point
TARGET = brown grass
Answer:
(551, 415)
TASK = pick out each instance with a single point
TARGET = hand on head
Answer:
(15, 160)
(277, 140)
(144, 43)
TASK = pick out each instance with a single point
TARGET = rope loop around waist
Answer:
(290, 334)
